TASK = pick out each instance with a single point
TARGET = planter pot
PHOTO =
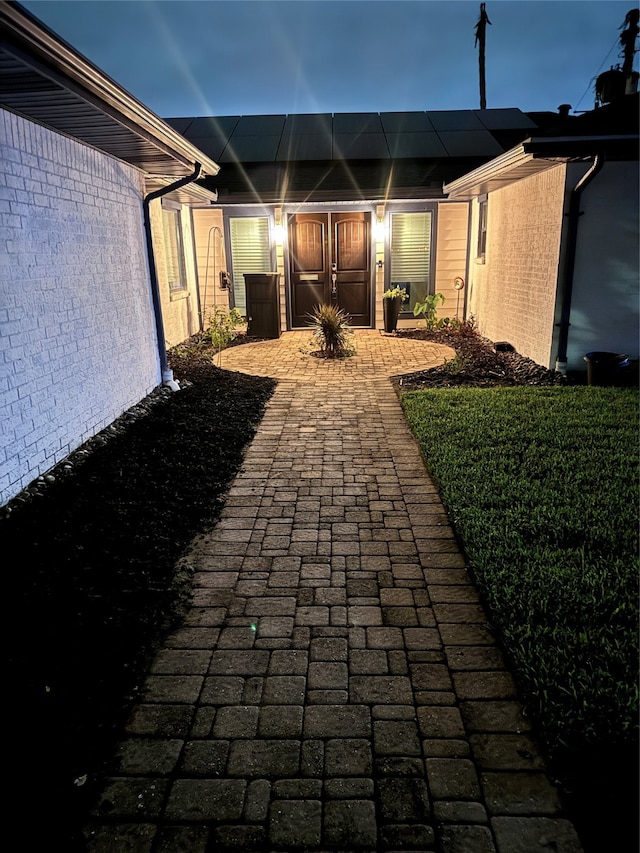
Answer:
(391, 309)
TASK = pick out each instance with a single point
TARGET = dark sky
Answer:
(233, 57)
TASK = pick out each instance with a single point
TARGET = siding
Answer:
(450, 261)
(210, 263)
(512, 295)
(77, 338)
(451, 256)
(179, 310)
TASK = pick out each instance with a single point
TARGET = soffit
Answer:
(43, 79)
(535, 155)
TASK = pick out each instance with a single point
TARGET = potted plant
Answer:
(392, 300)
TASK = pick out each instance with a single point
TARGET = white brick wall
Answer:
(512, 295)
(77, 337)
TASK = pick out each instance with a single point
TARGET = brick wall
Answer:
(512, 295)
(77, 337)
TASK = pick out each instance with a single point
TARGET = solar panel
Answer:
(405, 122)
(179, 124)
(251, 149)
(260, 125)
(212, 146)
(504, 119)
(213, 125)
(455, 120)
(305, 146)
(357, 123)
(415, 145)
(469, 143)
(355, 146)
(308, 123)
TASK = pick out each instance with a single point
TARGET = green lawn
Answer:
(541, 485)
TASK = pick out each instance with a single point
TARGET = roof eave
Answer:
(27, 33)
(534, 155)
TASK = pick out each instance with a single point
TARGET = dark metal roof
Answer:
(45, 80)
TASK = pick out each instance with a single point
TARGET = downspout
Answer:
(570, 259)
(167, 373)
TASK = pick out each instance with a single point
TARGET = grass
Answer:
(541, 485)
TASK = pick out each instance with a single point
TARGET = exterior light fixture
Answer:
(380, 226)
(278, 228)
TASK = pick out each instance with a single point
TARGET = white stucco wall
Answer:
(512, 293)
(77, 337)
(605, 303)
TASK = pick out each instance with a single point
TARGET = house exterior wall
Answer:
(451, 237)
(76, 320)
(512, 293)
(180, 310)
(605, 298)
(211, 260)
(451, 256)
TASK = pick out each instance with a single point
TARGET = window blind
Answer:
(250, 252)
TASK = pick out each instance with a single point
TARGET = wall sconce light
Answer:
(380, 226)
(278, 228)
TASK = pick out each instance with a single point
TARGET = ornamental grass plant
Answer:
(332, 331)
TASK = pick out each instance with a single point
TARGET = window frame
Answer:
(432, 209)
(173, 211)
(247, 213)
(483, 220)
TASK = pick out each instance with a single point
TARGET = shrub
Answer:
(332, 331)
(428, 310)
(223, 326)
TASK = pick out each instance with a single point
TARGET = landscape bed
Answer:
(94, 580)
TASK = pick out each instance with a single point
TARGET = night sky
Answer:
(231, 57)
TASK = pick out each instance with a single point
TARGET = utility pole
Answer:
(628, 39)
(481, 28)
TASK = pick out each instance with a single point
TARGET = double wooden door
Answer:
(330, 263)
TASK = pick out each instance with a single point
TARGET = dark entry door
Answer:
(330, 262)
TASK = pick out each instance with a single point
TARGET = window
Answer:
(411, 255)
(173, 249)
(250, 252)
(482, 226)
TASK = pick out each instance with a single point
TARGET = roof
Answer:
(45, 80)
(349, 156)
(352, 136)
(537, 155)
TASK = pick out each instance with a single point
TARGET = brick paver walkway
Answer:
(335, 686)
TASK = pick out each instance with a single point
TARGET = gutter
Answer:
(167, 373)
(574, 214)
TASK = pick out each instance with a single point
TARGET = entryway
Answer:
(330, 263)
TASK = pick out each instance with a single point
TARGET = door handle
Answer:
(334, 284)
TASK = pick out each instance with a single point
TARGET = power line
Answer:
(591, 82)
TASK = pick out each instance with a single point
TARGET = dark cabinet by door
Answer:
(263, 304)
